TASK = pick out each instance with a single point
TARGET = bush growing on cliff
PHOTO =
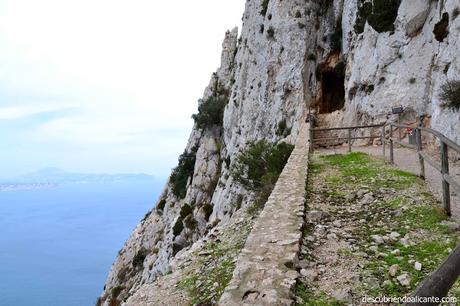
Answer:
(258, 169)
(450, 94)
(116, 291)
(264, 9)
(161, 204)
(138, 259)
(211, 110)
(282, 129)
(261, 164)
(380, 14)
(185, 211)
(182, 172)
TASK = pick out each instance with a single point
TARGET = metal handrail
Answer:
(349, 127)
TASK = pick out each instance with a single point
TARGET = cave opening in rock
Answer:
(332, 92)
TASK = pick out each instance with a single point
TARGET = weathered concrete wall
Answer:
(265, 274)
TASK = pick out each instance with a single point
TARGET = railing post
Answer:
(418, 134)
(391, 145)
(383, 140)
(445, 171)
(349, 140)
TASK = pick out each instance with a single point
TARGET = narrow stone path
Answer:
(371, 231)
(407, 160)
(265, 271)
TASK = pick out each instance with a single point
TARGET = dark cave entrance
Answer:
(332, 91)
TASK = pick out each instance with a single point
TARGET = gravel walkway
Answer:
(407, 160)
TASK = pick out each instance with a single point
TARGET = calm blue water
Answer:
(57, 245)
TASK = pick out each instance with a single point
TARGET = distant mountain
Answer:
(59, 176)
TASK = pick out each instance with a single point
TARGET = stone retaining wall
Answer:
(265, 272)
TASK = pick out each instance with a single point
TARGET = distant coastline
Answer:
(26, 186)
(54, 177)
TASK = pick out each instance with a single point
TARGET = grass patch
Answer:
(425, 217)
(359, 168)
(213, 274)
(313, 298)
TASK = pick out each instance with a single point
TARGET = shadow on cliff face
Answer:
(332, 92)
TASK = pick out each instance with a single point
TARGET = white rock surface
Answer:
(272, 79)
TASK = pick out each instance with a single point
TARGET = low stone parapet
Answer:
(265, 272)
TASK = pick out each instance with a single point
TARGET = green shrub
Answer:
(211, 110)
(185, 211)
(450, 94)
(116, 291)
(364, 10)
(298, 14)
(190, 222)
(264, 9)
(282, 129)
(261, 164)
(161, 204)
(207, 209)
(138, 259)
(380, 14)
(311, 57)
(182, 172)
(412, 80)
(384, 13)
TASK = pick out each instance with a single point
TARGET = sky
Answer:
(105, 85)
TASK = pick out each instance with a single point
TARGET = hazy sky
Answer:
(104, 86)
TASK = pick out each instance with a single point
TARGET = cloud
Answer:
(22, 111)
(105, 84)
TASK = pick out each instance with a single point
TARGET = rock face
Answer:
(405, 67)
(291, 55)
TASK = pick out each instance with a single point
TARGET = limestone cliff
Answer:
(351, 59)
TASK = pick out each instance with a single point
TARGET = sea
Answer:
(57, 244)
